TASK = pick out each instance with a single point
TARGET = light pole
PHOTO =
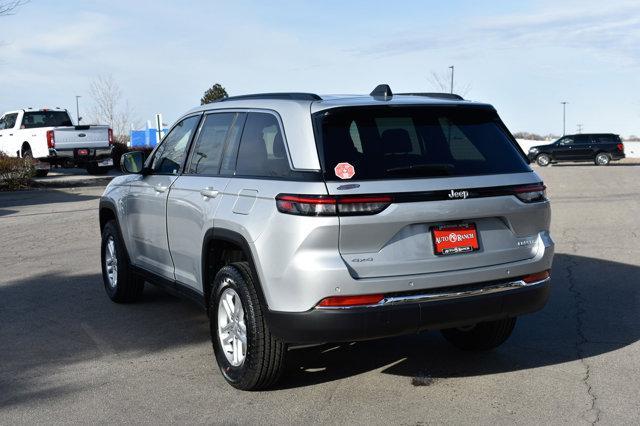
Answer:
(451, 78)
(564, 116)
(78, 109)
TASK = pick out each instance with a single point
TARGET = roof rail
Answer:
(434, 95)
(293, 96)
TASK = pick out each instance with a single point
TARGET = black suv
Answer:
(600, 148)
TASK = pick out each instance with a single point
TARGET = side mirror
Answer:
(132, 162)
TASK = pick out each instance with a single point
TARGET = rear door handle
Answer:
(209, 193)
(160, 188)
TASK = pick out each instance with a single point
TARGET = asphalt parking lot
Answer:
(67, 354)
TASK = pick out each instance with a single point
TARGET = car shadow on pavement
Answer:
(33, 198)
(594, 308)
(58, 321)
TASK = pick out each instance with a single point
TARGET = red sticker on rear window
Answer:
(344, 170)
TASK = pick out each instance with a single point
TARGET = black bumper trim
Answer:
(344, 325)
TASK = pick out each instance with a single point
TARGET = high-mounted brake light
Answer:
(110, 136)
(324, 205)
(344, 301)
(531, 193)
(51, 141)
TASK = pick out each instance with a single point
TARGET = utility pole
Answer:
(564, 117)
(451, 78)
(78, 109)
(579, 128)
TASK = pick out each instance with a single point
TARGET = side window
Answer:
(9, 121)
(355, 136)
(262, 151)
(566, 141)
(207, 151)
(170, 154)
(583, 139)
(606, 139)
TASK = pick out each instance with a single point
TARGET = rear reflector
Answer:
(343, 301)
(326, 205)
(531, 193)
(538, 276)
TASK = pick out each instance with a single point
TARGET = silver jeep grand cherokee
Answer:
(299, 219)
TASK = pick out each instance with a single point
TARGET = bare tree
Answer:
(7, 7)
(442, 83)
(109, 107)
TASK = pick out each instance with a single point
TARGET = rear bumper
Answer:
(617, 155)
(94, 154)
(450, 307)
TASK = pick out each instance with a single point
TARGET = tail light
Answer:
(324, 205)
(344, 301)
(110, 132)
(51, 141)
(531, 193)
(621, 147)
(538, 276)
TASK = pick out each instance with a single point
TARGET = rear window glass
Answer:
(33, 119)
(393, 142)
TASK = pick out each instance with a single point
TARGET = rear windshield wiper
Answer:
(423, 169)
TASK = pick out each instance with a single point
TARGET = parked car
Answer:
(49, 137)
(601, 148)
(299, 219)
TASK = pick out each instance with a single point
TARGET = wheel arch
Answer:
(24, 147)
(107, 211)
(216, 242)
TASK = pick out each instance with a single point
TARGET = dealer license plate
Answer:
(454, 239)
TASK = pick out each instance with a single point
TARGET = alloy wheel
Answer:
(111, 262)
(232, 329)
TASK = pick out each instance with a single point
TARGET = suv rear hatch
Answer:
(440, 173)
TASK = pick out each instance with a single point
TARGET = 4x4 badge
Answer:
(458, 194)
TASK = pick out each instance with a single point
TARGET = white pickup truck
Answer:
(49, 137)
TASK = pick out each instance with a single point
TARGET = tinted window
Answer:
(608, 139)
(34, 119)
(416, 142)
(582, 139)
(170, 154)
(207, 151)
(8, 121)
(262, 151)
(565, 141)
(231, 150)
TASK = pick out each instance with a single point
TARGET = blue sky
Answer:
(524, 57)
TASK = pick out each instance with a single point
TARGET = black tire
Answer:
(602, 159)
(27, 155)
(265, 354)
(481, 337)
(543, 160)
(94, 169)
(128, 286)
